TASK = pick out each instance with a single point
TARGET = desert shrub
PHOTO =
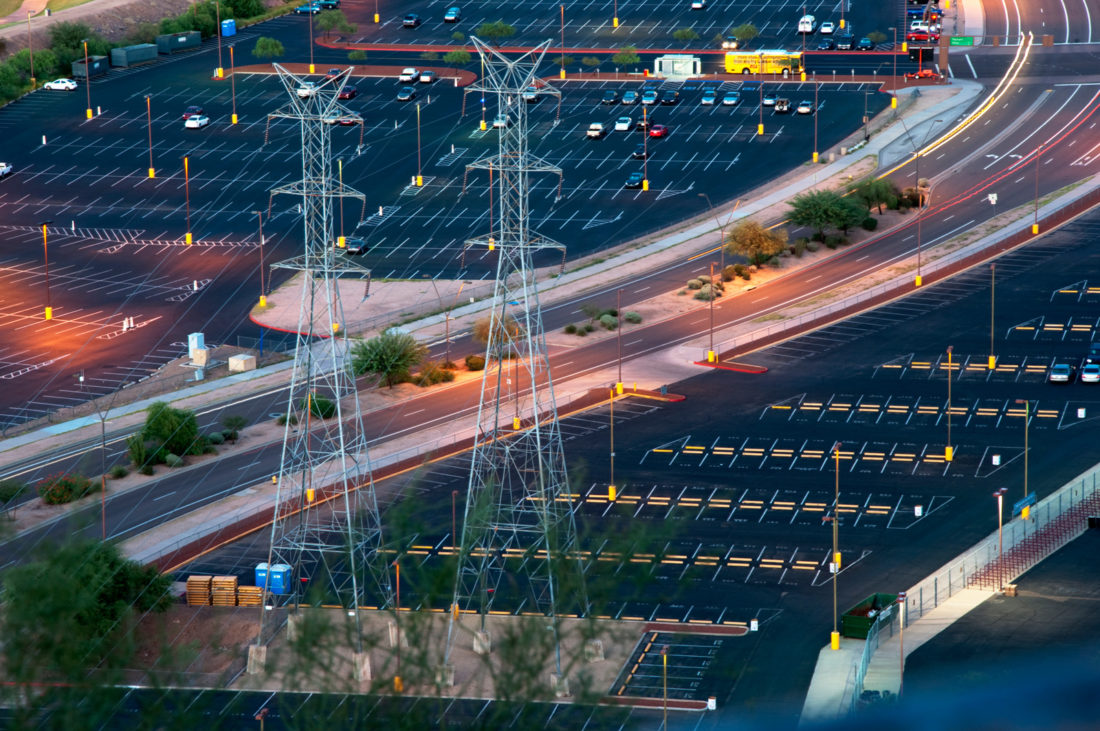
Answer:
(817, 236)
(870, 223)
(740, 270)
(811, 247)
(570, 329)
(282, 419)
(694, 283)
(432, 373)
(475, 362)
(147, 469)
(582, 332)
(449, 365)
(728, 273)
(11, 489)
(118, 472)
(173, 460)
(320, 406)
(216, 438)
(610, 322)
(60, 489)
(632, 317)
(831, 242)
(230, 435)
(706, 293)
(589, 327)
(799, 247)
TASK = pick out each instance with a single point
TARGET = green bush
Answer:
(137, 449)
(282, 419)
(118, 472)
(632, 317)
(429, 56)
(147, 469)
(799, 247)
(728, 273)
(811, 247)
(475, 362)
(589, 327)
(432, 373)
(216, 438)
(740, 270)
(320, 406)
(173, 460)
(610, 322)
(458, 37)
(230, 435)
(570, 329)
(11, 489)
(61, 489)
(590, 61)
(817, 236)
(694, 283)
(834, 241)
(582, 332)
(357, 55)
(706, 293)
(870, 223)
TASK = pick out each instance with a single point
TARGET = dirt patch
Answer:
(204, 646)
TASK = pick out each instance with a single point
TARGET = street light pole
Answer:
(949, 451)
(187, 196)
(721, 229)
(263, 289)
(713, 295)
(816, 157)
(218, 22)
(615, 16)
(1000, 494)
(760, 126)
(149, 125)
(619, 314)
(894, 82)
(645, 150)
(233, 84)
(312, 69)
(611, 491)
(419, 170)
(46, 256)
(87, 81)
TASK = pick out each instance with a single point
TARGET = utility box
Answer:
(229, 27)
(857, 621)
(134, 55)
(97, 66)
(241, 363)
(195, 341)
(174, 42)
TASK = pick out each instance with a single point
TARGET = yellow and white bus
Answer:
(781, 62)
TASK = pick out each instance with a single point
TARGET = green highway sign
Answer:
(960, 41)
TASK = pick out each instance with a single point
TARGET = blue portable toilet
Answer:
(279, 578)
(229, 27)
(261, 575)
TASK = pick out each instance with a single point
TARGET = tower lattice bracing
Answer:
(518, 541)
(327, 526)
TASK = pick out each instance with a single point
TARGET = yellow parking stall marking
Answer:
(1080, 328)
(934, 458)
(753, 504)
(839, 407)
(921, 364)
(1046, 413)
(880, 507)
(693, 450)
(977, 367)
(810, 405)
(1068, 291)
(659, 500)
(869, 407)
(723, 450)
(417, 553)
(928, 410)
(1024, 327)
(707, 558)
(753, 452)
(783, 506)
(1035, 369)
(987, 412)
(814, 507)
(718, 503)
(739, 563)
(891, 365)
(896, 409)
(1053, 326)
(785, 407)
(902, 457)
(958, 410)
(782, 452)
(813, 453)
(1092, 290)
(843, 455)
(662, 451)
(851, 508)
(691, 500)
(771, 563)
(874, 456)
(706, 564)
(1015, 412)
(952, 366)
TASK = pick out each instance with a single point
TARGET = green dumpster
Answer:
(857, 621)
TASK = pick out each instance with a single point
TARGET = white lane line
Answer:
(970, 64)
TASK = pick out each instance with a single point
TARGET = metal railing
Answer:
(886, 618)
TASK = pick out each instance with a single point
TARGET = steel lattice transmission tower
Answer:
(519, 510)
(327, 526)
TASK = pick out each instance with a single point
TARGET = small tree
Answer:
(627, 56)
(391, 356)
(847, 213)
(744, 33)
(334, 20)
(817, 209)
(458, 37)
(590, 61)
(171, 430)
(876, 192)
(457, 58)
(685, 34)
(267, 48)
(507, 329)
(754, 242)
(498, 30)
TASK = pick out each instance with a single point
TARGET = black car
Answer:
(348, 92)
(354, 247)
(411, 20)
(643, 123)
(634, 181)
(639, 152)
(843, 42)
(826, 44)
(670, 97)
(865, 44)
(610, 97)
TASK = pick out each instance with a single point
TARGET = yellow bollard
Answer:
(992, 362)
(893, 102)
(842, 23)
(1034, 229)
(187, 238)
(341, 242)
(335, 328)
(836, 560)
(274, 479)
(312, 69)
(802, 76)
(615, 22)
(398, 686)
(515, 422)
(152, 173)
(263, 301)
(611, 493)
(376, 17)
(310, 494)
(619, 388)
(88, 112)
(492, 243)
(834, 640)
(815, 157)
(1026, 512)
(234, 118)
(919, 281)
(904, 47)
(645, 184)
(49, 313)
(419, 181)
(948, 453)
(760, 129)
(219, 73)
(483, 127)
(710, 356)
(563, 72)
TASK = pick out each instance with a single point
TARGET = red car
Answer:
(921, 36)
(348, 92)
(658, 130)
(192, 111)
(924, 74)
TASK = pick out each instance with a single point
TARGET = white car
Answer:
(807, 24)
(805, 107)
(307, 89)
(60, 85)
(624, 124)
(409, 74)
(827, 28)
(1091, 373)
(197, 121)
(698, 4)
(501, 121)
(427, 77)
(5, 169)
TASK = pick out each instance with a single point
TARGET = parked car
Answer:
(670, 97)
(1061, 373)
(407, 94)
(307, 89)
(649, 97)
(844, 41)
(453, 15)
(348, 92)
(595, 131)
(634, 181)
(698, 4)
(343, 121)
(409, 73)
(191, 111)
(427, 77)
(643, 123)
(731, 99)
(921, 36)
(610, 97)
(827, 28)
(924, 74)
(411, 20)
(782, 106)
(332, 73)
(530, 94)
(1090, 373)
(769, 99)
(630, 97)
(623, 124)
(354, 246)
(60, 85)
(641, 152)
(501, 121)
(805, 107)
(658, 130)
(309, 9)
(5, 169)
(710, 96)
(196, 121)
(807, 24)
(826, 44)
(865, 44)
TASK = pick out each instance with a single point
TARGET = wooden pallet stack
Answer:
(249, 596)
(224, 591)
(198, 591)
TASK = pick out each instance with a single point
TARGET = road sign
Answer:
(1027, 502)
(960, 41)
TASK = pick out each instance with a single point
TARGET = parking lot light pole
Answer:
(615, 16)
(721, 229)
(149, 125)
(87, 82)
(232, 84)
(1038, 159)
(419, 169)
(1026, 512)
(220, 73)
(1000, 495)
(992, 306)
(312, 68)
(713, 296)
(611, 491)
(563, 41)
(949, 451)
(815, 117)
(760, 127)
(834, 638)
(341, 241)
(187, 197)
(46, 256)
(894, 83)
(263, 289)
(645, 150)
